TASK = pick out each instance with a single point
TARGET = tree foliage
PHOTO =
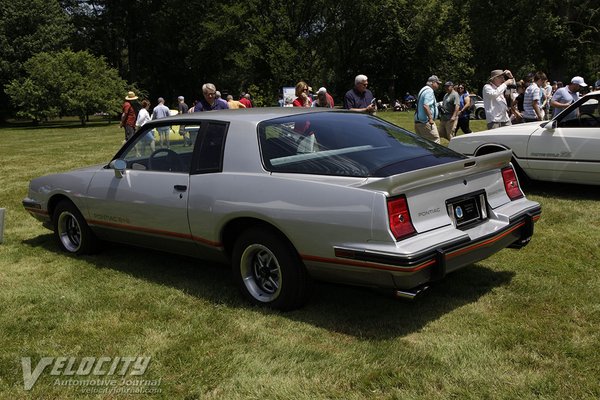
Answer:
(27, 28)
(171, 48)
(66, 83)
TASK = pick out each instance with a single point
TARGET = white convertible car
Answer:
(564, 149)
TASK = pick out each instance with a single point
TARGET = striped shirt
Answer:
(532, 93)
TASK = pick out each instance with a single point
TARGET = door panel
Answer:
(571, 151)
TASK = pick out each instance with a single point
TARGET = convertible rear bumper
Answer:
(360, 266)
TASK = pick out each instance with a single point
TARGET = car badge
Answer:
(458, 212)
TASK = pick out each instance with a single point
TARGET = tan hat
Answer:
(131, 96)
(495, 73)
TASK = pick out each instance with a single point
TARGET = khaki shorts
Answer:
(447, 128)
(427, 131)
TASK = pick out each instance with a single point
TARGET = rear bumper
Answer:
(373, 268)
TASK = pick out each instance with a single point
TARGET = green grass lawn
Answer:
(519, 325)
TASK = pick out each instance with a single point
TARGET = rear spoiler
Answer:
(396, 184)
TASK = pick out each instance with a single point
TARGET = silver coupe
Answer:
(288, 195)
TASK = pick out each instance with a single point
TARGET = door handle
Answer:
(180, 188)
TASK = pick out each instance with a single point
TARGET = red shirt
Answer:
(329, 99)
(246, 102)
(296, 103)
(129, 116)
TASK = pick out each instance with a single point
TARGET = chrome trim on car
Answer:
(390, 262)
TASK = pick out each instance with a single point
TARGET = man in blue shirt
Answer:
(210, 101)
(162, 111)
(567, 95)
(360, 98)
(427, 111)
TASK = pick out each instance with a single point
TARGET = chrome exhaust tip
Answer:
(410, 294)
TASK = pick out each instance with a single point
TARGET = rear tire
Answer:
(268, 271)
(72, 231)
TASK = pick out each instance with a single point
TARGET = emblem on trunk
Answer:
(459, 212)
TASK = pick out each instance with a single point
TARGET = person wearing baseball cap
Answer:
(567, 95)
(427, 110)
(449, 111)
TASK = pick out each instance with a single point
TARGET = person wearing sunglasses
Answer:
(302, 95)
(464, 115)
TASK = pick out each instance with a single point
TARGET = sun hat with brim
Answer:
(496, 73)
(131, 96)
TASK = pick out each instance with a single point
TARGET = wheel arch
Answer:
(495, 147)
(490, 148)
(54, 200)
(234, 228)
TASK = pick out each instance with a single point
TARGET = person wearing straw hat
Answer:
(494, 101)
(129, 115)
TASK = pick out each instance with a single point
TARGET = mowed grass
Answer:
(522, 324)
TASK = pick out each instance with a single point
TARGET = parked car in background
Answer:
(477, 110)
(288, 194)
(564, 149)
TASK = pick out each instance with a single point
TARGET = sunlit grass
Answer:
(519, 325)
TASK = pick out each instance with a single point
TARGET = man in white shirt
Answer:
(494, 102)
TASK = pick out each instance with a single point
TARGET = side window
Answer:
(210, 155)
(589, 113)
(586, 115)
(166, 148)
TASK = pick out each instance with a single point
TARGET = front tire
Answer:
(480, 114)
(268, 271)
(72, 231)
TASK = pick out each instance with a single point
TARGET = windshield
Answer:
(345, 144)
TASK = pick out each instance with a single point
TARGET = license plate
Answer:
(467, 210)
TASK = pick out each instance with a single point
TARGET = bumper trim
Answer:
(439, 257)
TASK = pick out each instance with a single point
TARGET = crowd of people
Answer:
(506, 101)
(136, 114)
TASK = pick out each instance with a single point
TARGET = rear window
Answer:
(345, 144)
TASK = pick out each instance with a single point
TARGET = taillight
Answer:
(399, 218)
(511, 184)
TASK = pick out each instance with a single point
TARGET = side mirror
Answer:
(119, 166)
(551, 125)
